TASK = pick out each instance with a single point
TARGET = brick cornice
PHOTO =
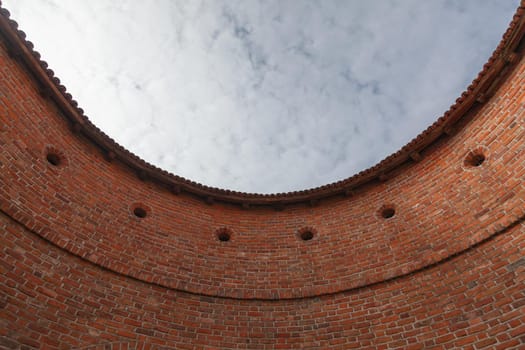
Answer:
(493, 74)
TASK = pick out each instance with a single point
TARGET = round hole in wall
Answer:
(53, 159)
(140, 212)
(223, 234)
(307, 233)
(474, 159)
(224, 237)
(387, 212)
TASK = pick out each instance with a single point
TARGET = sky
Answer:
(264, 96)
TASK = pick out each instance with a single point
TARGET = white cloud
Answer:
(264, 96)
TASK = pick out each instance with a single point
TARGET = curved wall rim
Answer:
(86, 206)
(481, 89)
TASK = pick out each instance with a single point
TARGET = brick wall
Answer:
(92, 256)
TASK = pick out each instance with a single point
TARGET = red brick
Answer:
(79, 268)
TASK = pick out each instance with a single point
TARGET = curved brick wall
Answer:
(80, 267)
(52, 297)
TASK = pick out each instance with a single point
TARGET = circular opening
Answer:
(140, 212)
(307, 235)
(53, 159)
(388, 212)
(223, 236)
(474, 159)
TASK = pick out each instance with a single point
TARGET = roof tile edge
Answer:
(477, 93)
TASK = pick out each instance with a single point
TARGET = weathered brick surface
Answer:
(85, 206)
(80, 270)
(56, 299)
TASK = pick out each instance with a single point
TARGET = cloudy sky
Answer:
(264, 96)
